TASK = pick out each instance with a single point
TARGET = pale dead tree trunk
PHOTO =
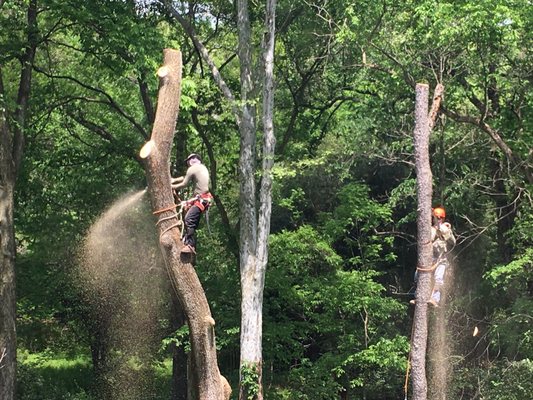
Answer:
(424, 193)
(254, 249)
(206, 375)
(251, 312)
(12, 127)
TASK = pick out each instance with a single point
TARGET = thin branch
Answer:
(110, 101)
(495, 136)
(93, 127)
(189, 29)
(145, 96)
(408, 78)
(479, 230)
(4, 350)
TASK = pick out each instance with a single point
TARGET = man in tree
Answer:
(199, 175)
(443, 240)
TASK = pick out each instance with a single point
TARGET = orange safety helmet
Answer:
(439, 212)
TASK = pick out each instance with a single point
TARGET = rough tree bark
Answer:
(12, 125)
(424, 194)
(210, 385)
(8, 336)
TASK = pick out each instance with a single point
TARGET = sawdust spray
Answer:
(122, 277)
(440, 349)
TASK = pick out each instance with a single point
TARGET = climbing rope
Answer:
(162, 210)
(430, 269)
(178, 214)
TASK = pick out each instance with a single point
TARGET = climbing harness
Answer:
(202, 201)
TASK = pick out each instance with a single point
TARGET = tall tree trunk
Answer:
(209, 383)
(8, 344)
(424, 193)
(254, 235)
(8, 336)
(507, 204)
(11, 152)
(251, 300)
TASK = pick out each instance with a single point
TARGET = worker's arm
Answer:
(447, 234)
(182, 181)
(173, 181)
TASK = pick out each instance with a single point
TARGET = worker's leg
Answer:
(192, 220)
(439, 281)
(413, 290)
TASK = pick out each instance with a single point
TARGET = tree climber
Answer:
(199, 175)
(442, 240)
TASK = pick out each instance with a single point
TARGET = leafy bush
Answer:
(332, 329)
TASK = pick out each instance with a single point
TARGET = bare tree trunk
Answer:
(8, 337)
(424, 193)
(179, 266)
(254, 243)
(251, 292)
(11, 152)
(248, 223)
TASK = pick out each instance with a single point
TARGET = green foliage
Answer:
(309, 299)
(249, 381)
(512, 382)
(179, 338)
(512, 331)
(357, 221)
(380, 368)
(52, 375)
(502, 380)
(511, 322)
(520, 235)
(513, 276)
